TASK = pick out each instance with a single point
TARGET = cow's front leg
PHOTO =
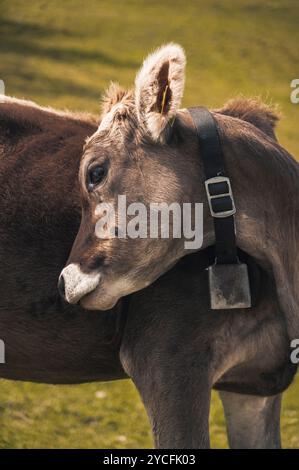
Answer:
(176, 398)
(167, 350)
(252, 422)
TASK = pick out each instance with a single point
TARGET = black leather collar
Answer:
(218, 186)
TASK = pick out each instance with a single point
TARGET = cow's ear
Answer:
(159, 88)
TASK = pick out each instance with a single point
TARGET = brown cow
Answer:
(147, 149)
(174, 348)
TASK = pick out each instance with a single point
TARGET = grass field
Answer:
(64, 54)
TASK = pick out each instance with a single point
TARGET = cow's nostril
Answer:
(61, 286)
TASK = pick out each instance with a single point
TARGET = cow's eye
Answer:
(95, 176)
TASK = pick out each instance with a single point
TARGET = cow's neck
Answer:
(265, 181)
(286, 265)
(271, 235)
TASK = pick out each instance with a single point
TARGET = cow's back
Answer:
(45, 339)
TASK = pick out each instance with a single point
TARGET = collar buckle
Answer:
(220, 197)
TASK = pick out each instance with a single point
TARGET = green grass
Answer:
(104, 415)
(64, 54)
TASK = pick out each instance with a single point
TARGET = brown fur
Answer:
(256, 112)
(174, 348)
(45, 338)
(152, 157)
